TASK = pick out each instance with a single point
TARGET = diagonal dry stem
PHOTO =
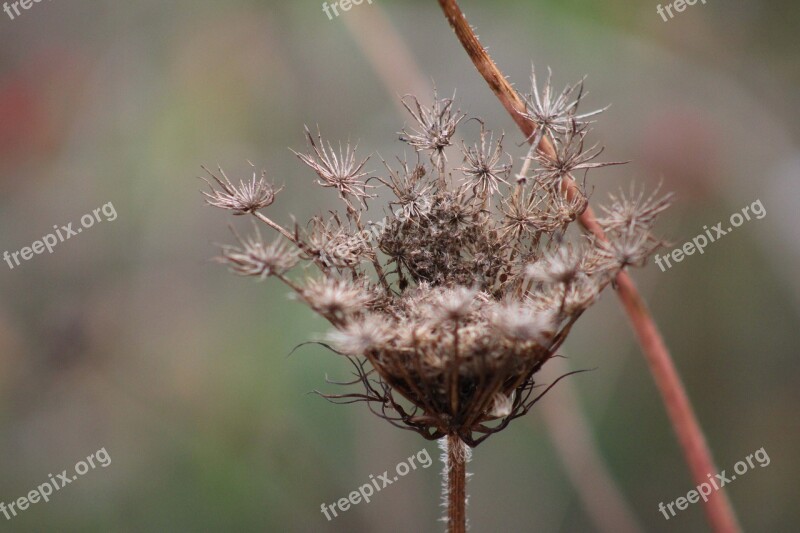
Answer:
(684, 421)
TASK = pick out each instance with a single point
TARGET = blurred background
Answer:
(127, 337)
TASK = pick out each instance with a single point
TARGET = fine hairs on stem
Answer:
(455, 456)
(684, 421)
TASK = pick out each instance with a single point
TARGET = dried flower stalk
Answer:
(455, 456)
(449, 307)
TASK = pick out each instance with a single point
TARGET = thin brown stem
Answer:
(456, 485)
(440, 168)
(277, 227)
(684, 421)
(291, 238)
(296, 288)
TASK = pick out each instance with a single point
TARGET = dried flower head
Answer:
(561, 265)
(629, 247)
(482, 165)
(248, 197)
(335, 299)
(254, 258)
(571, 156)
(628, 212)
(452, 305)
(436, 125)
(335, 244)
(554, 114)
(525, 215)
(342, 172)
(448, 307)
(519, 322)
(411, 191)
(362, 335)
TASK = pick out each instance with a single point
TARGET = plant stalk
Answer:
(719, 511)
(456, 485)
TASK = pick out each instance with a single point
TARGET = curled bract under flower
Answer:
(448, 302)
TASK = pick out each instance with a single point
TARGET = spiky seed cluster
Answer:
(435, 127)
(411, 191)
(248, 197)
(342, 172)
(555, 114)
(255, 258)
(449, 306)
(483, 165)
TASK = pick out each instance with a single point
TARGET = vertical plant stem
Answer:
(456, 485)
(690, 436)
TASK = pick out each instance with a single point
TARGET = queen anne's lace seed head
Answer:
(518, 322)
(554, 114)
(435, 125)
(629, 247)
(248, 197)
(411, 191)
(362, 335)
(337, 245)
(560, 266)
(337, 300)
(451, 300)
(634, 211)
(342, 171)
(484, 166)
(254, 258)
(452, 305)
(571, 156)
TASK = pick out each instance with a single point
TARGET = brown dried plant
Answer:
(449, 307)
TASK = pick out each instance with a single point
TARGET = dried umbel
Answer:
(450, 305)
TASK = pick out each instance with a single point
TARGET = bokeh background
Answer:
(127, 337)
